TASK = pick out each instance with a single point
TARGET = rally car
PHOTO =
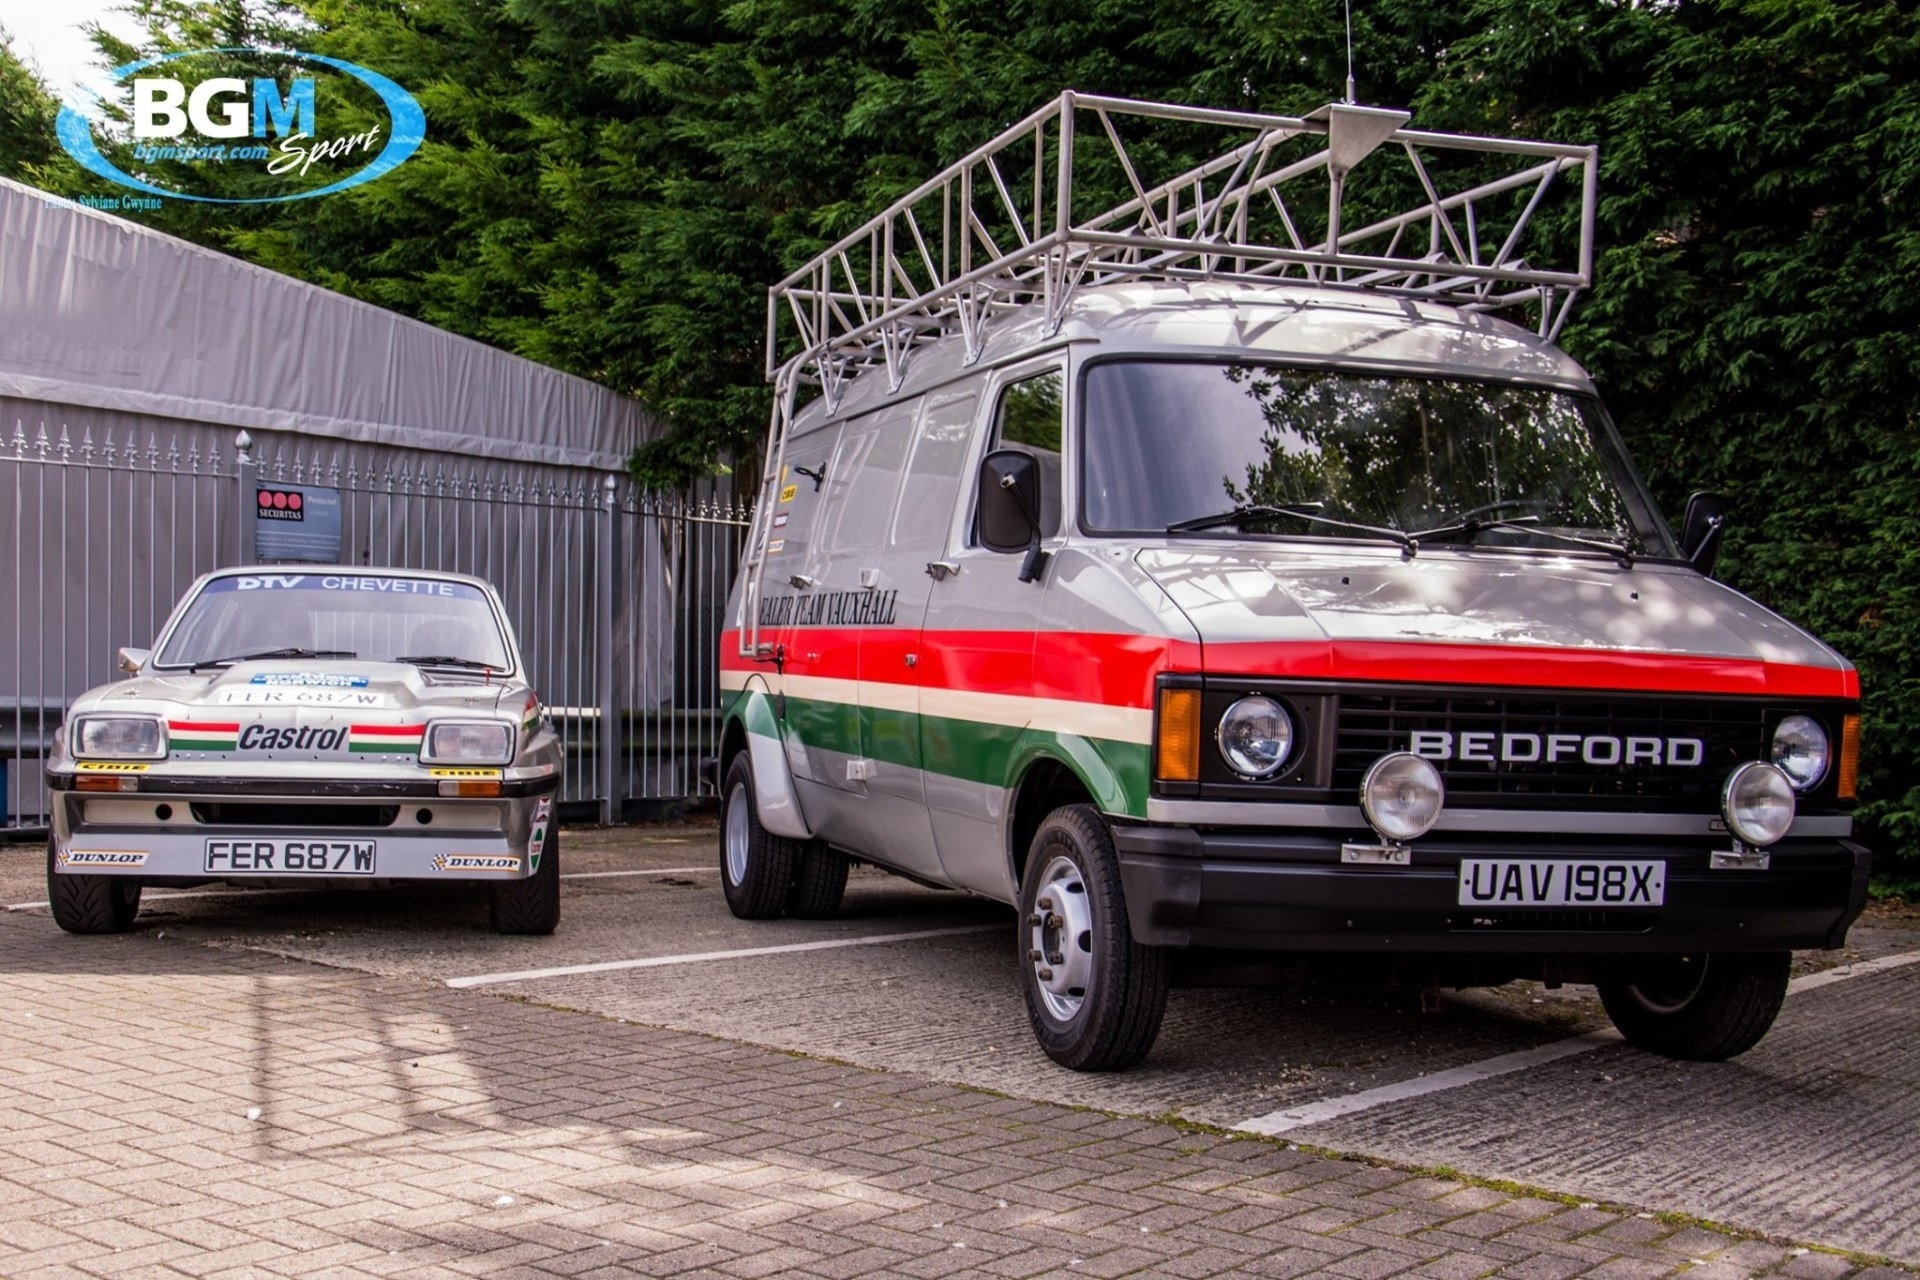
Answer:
(311, 726)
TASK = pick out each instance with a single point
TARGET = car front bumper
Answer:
(1246, 889)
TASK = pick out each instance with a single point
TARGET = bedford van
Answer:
(1207, 584)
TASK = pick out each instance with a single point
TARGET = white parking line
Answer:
(702, 957)
(224, 893)
(1278, 1122)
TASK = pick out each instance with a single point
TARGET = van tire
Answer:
(530, 906)
(1095, 996)
(1702, 1008)
(756, 867)
(819, 882)
(90, 904)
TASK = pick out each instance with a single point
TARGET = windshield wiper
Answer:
(1308, 511)
(1621, 551)
(266, 654)
(446, 660)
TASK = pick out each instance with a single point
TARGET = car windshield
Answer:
(367, 617)
(1308, 453)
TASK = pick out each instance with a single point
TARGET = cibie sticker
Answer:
(476, 862)
(111, 766)
(103, 858)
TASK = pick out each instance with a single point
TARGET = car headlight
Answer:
(469, 742)
(1255, 737)
(1402, 796)
(120, 738)
(1800, 749)
(1758, 803)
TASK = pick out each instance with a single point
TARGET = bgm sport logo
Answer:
(271, 124)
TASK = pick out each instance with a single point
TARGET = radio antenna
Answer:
(1350, 98)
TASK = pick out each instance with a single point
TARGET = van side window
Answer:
(1029, 417)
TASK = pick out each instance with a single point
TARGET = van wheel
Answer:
(1095, 996)
(819, 882)
(756, 866)
(90, 904)
(530, 905)
(1697, 1008)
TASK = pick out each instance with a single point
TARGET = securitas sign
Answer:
(245, 126)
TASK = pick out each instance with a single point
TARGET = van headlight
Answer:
(468, 742)
(1800, 749)
(1758, 803)
(1255, 737)
(1402, 796)
(120, 738)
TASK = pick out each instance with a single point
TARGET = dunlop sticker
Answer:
(111, 766)
(103, 858)
(464, 773)
(476, 862)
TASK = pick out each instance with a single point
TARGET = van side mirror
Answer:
(1701, 529)
(1007, 500)
(131, 660)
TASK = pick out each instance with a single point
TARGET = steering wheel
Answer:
(1503, 504)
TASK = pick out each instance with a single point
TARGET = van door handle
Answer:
(941, 570)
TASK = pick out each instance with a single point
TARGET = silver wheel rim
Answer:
(737, 835)
(1661, 1000)
(1060, 939)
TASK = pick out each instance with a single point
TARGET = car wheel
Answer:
(756, 866)
(531, 905)
(90, 904)
(819, 882)
(1699, 1008)
(1095, 996)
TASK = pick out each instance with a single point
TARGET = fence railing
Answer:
(616, 594)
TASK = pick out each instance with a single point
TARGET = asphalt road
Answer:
(1812, 1136)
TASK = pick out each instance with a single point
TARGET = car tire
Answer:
(756, 866)
(1702, 1008)
(531, 905)
(90, 904)
(819, 882)
(1095, 996)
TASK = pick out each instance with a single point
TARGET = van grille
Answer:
(1730, 731)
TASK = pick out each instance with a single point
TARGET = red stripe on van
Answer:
(1118, 670)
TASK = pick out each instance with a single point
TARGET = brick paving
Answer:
(170, 1109)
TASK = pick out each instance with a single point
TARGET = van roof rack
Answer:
(1008, 225)
(1019, 221)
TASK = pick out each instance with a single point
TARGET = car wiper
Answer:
(446, 660)
(266, 654)
(1308, 511)
(1621, 551)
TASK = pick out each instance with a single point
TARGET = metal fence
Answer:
(616, 594)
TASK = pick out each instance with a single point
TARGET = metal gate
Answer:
(616, 594)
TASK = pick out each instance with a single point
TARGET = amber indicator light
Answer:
(1178, 756)
(1849, 756)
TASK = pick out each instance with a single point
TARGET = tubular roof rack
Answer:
(1020, 221)
(1006, 226)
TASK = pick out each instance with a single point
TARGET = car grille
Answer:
(1731, 731)
(278, 813)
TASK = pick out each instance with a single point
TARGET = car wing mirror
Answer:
(131, 660)
(1702, 527)
(1007, 500)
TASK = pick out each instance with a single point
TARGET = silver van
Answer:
(1210, 572)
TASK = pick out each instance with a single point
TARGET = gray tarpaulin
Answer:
(100, 312)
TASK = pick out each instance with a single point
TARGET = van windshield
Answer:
(1316, 454)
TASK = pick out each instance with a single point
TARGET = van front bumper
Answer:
(1245, 889)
